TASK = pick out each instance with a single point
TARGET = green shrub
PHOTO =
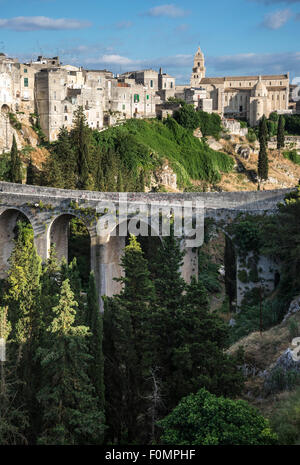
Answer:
(248, 319)
(286, 419)
(293, 328)
(293, 156)
(243, 276)
(281, 380)
(204, 419)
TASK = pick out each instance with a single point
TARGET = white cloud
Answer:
(276, 19)
(35, 23)
(170, 10)
(124, 24)
(112, 59)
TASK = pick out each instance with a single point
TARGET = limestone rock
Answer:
(164, 176)
(293, 308)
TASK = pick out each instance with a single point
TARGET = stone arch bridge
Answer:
(49, 211)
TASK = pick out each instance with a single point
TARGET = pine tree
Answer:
(23, 291)
(13, 420)
(15, 163)
(70, 415)
(23, 300)
(280, 133)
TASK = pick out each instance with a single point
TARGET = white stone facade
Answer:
(247, 97)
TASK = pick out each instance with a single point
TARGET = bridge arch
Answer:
(59, 233)
(111, 251)
(8, 223)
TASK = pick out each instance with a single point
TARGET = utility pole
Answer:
(260, 310)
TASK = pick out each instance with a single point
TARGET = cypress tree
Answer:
(15, 163)
(100, 182)
(80, 137)
(169, 284)
(30, 174)
(263, 131)
(280, 133)
(95, 323)
(70, 415)
(120, 186)
(263, 163)
(127, 348)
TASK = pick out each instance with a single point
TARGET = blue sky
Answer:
(236, 36)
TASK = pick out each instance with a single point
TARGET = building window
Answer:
(66, 118)
(66, 109)
(54, 107)
(171, 85)
(54, 95)
(281, 83)
(240, 84)
(283, 97)
(165, 86)
(147, 97)
(25, 70)
(25, 82)
(151, 83)
(136, 98)
(123, 107)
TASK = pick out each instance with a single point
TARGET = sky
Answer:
(237, 36)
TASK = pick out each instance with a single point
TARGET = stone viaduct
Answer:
(49, 211)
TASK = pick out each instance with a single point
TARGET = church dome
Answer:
(259, 90)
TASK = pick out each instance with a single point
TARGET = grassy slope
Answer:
(189, 157)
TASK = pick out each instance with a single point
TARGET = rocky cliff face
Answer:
(164, 177)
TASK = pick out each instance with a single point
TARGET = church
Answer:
(241, 97)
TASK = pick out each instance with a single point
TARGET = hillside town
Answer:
(53, 91)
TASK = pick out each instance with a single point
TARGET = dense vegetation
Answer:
(276, 236)
(160, 345)
(123, 158)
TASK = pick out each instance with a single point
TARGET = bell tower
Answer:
(198, 69)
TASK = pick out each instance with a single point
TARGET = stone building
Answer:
(16, 95)
(246, 97)
(59, 93)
